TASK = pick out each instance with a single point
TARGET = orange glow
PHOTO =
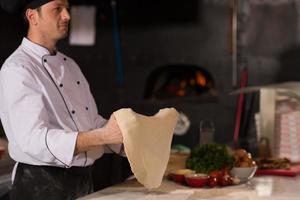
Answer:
(181, 93)
(200, 78)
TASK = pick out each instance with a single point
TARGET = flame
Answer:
(200, 79)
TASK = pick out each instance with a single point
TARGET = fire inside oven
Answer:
(175, 81)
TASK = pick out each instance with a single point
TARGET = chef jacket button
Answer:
(78, 82)
(45, 60)
(73, 111)
(61, 85)
(86, 108)
(65, 59)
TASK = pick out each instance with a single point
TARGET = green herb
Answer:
(209, 157)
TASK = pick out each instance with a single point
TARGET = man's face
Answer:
(53, 19)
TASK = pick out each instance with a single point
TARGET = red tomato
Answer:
(223, 181)
(213, 181)
(215, 174)
(225, 171)
(226, 180)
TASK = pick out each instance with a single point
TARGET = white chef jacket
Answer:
(35, 108)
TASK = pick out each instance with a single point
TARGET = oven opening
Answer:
(180, 82)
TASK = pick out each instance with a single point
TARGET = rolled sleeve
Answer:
(62, 145)
(28, 123)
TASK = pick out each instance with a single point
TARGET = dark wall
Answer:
(12, 30)
(266, 31)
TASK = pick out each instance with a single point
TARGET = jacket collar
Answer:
(35, 48)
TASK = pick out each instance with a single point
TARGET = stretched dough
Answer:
(147, 142)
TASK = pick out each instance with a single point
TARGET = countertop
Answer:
(258, 188)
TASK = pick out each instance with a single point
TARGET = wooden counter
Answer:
(259, 188)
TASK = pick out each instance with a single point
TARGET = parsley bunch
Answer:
(209, 157)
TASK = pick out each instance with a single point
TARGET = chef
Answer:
(48, 112)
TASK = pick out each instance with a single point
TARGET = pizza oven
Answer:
(186, 87)
(179, 82)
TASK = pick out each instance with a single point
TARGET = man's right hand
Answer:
(109, 134)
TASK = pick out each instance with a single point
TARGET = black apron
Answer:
(51, 183)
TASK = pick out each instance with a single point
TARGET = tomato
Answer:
(226, 180)
(225, 171)
(213, 181)
(215, 174)
(223, 181)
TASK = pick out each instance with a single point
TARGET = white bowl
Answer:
(243, 173)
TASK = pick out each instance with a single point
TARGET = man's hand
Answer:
(109, 134)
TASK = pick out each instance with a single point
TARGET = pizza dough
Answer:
(147, 142)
